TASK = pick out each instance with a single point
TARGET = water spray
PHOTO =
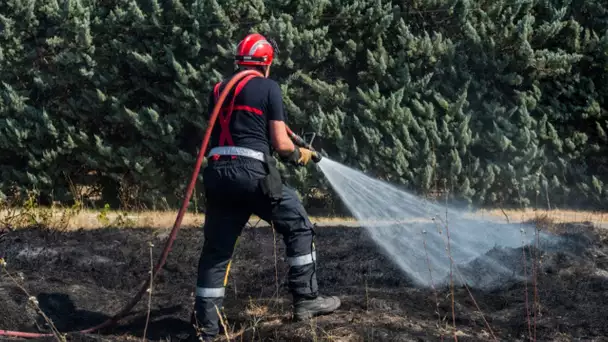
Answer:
(413, 233)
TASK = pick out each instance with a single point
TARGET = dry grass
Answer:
(89, 219)
(556, 216)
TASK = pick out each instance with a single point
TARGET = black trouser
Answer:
(234, 192)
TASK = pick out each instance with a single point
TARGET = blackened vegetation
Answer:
(80, 278)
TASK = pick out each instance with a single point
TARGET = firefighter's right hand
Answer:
(305, 156)
(300, 156)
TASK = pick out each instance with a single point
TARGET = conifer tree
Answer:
(503, 102)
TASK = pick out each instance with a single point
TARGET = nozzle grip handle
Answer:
(300, 142)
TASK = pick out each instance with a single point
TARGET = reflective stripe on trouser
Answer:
(210, 292)
(302, 259)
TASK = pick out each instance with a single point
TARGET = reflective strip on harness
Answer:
(207, 292)
(237, 151)
(302, 259)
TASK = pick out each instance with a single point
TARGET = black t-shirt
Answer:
(258, 102)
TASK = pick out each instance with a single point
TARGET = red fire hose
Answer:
(178, 220)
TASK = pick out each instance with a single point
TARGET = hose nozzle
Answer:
(316, 157)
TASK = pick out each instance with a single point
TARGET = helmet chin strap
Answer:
(274, 45)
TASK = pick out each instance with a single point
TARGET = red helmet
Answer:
(254, 50)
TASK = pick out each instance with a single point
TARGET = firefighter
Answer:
(241, 178)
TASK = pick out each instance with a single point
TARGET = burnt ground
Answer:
(80, 278)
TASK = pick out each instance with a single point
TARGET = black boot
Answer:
(306, 308)
(204, 320)
(194, 336)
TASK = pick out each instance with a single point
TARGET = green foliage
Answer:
(503, 102)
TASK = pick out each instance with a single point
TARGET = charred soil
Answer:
(80, 278)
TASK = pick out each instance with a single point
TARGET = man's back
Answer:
(255, 104)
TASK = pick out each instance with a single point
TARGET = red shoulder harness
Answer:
(226, 113)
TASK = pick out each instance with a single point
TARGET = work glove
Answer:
(299, 157)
